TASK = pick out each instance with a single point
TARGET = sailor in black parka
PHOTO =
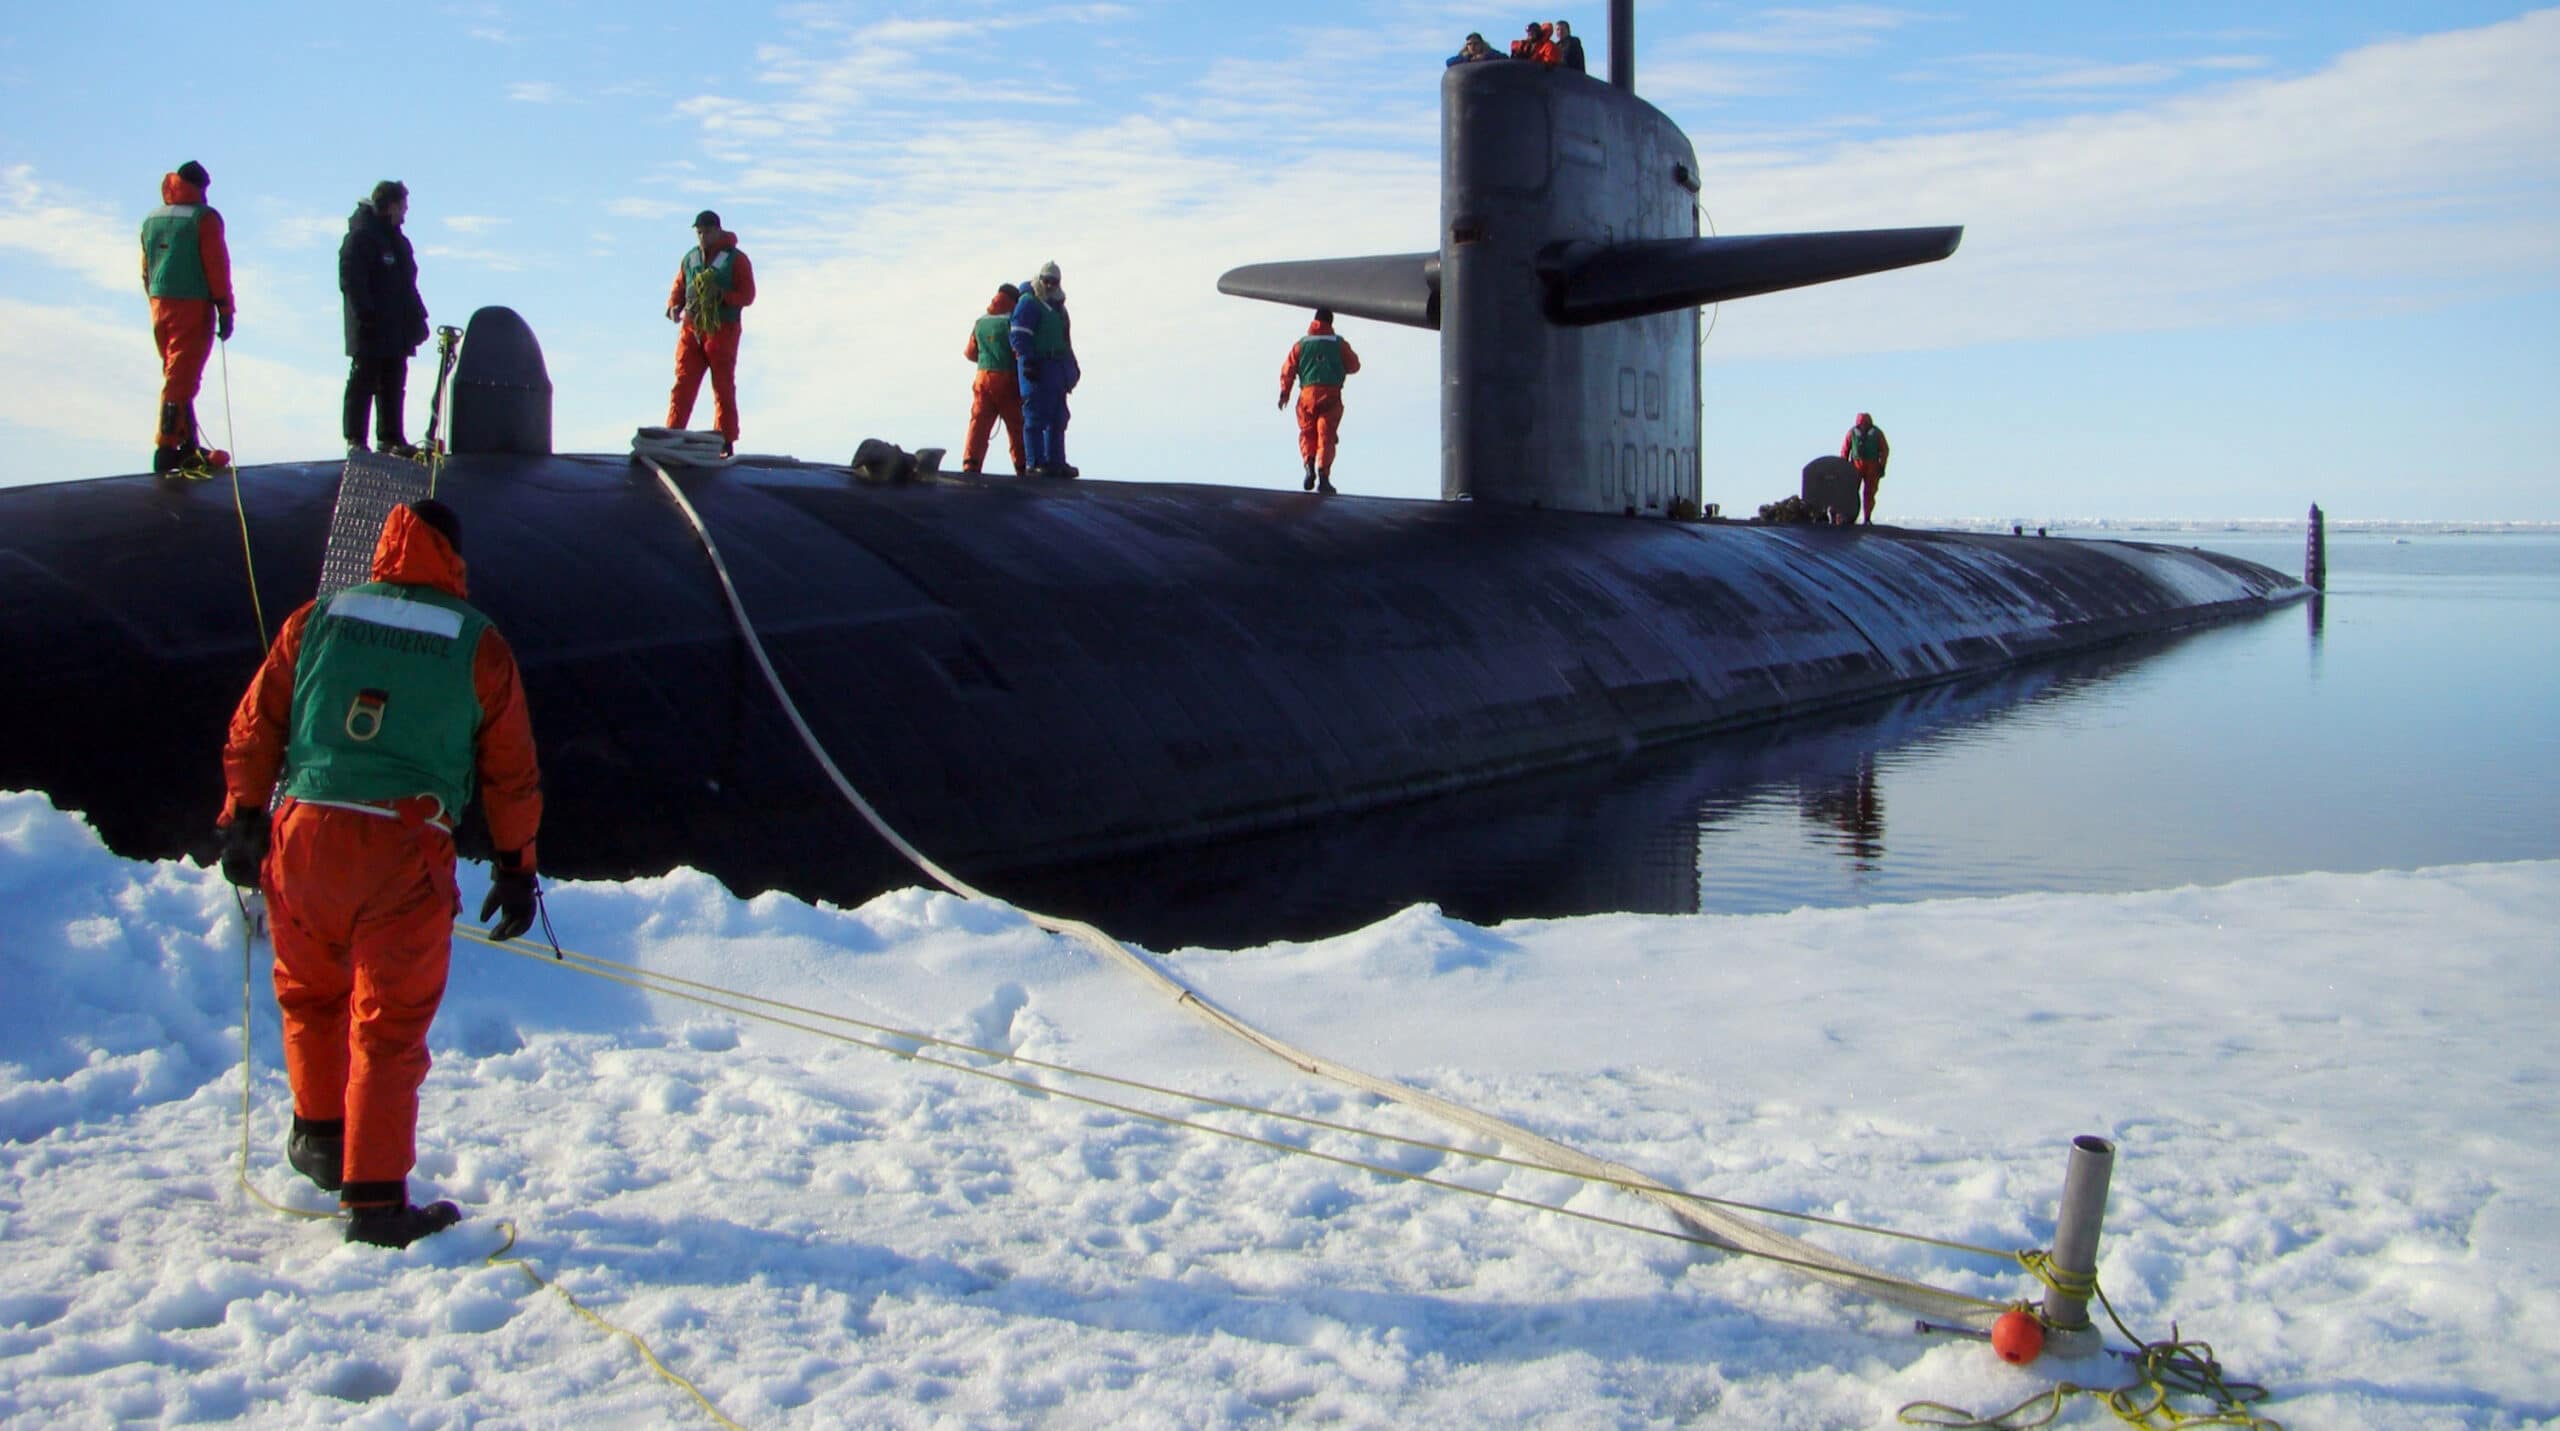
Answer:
(386, 319)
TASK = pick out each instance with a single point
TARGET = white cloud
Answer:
(2404, 173)
(472, 223)
(41, 220)
(84, 380)
(301, 230)
(2148, 74)
(534, 92)
(1827, 33)
(501, 260)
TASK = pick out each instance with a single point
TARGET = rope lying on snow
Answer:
(732, 1001)
(1713, 1226)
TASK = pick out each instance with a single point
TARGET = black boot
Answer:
(379, 1213)
(317, 1148)
(398, 1224)
(176, 435)
(1309, 485)
(1324, 481)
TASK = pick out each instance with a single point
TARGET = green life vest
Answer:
(706, 284)
(1320, 361)
(1866, 443)
(172, 254)
(994, 334)
(1049, 338)
(384, 706)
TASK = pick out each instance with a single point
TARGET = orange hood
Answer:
(1316, 326)
(415, 554)
(174, 190)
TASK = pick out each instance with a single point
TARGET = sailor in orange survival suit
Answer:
(1867, 451)
(713, 282)
(1318, 363)
(377, 705)
(995, 394)
(186, 270)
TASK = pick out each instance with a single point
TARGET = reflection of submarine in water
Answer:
(1652, 832)
(1022, 675)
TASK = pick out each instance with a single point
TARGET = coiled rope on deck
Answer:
(1714, 1226)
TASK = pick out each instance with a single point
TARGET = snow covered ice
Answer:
(2331, 1095)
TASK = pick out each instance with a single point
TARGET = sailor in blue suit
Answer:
(1044, 351)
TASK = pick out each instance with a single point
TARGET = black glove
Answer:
(222, 323)
(512, 890)
(244, 847)
(1030, 370)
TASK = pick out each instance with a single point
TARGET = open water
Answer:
(2409, 718)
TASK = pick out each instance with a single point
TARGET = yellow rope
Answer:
(642, 980)
(2056, 1278)
(2173, 1366)
(248, 558)
(248, 975)
(703, 300)
(499, 1258)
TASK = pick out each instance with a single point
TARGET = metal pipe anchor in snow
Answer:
(2075, 1247)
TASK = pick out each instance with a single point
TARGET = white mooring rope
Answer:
(1726, 1229)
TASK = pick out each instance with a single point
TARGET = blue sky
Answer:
(2219, 262)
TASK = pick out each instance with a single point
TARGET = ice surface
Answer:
(2332, 1095)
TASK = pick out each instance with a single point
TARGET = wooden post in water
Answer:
(2315, 553)
(2075, 1245)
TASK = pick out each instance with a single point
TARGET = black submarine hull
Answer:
(1020, 674)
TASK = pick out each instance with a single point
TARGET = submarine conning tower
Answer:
(1566, 286)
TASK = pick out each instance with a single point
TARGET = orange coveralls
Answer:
(361, 903)
(1319, 404)
(715, 352)
(994, 396)
(182, 328)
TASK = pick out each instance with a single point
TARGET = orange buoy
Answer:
(2018, 1337)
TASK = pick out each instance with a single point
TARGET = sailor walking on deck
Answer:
(1318, 363)
(1044, 352)
(1867, 451)
(713, 282)
(186, 271)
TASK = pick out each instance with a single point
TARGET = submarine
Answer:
(1027, 675)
